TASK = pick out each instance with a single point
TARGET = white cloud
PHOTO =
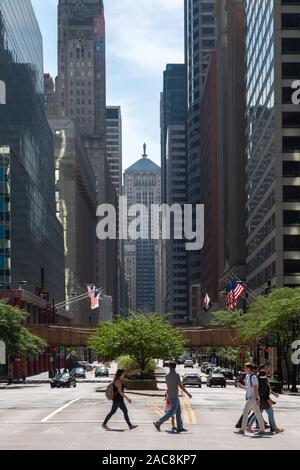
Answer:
(148, 33)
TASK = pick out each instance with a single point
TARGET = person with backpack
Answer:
(252, 400)
(115, 392)
(266, 404)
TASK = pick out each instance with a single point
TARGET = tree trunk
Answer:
(142, 364)
(286, 360)
(279, 363)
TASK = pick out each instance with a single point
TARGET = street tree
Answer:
(141, 337)
(18, 340)
(275, 317)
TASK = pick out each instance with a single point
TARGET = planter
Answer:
(140, 384)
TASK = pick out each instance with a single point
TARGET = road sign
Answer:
(2, 353)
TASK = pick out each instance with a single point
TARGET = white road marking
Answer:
(59, 410)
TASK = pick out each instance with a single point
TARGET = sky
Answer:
(141, 38)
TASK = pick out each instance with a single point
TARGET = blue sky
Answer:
(141, 38)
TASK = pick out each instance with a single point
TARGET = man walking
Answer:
(173, 384)
(253, 400)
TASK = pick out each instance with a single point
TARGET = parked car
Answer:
(64, 380)
(180, 360)
(209, 368)
(192, 378)
(189, 364)
(240, 379)
(167, 362)
(228, 374)
(79, 373)
(216, 380)
(81, 364)
(101, 371)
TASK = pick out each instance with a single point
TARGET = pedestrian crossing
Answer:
(188, 414)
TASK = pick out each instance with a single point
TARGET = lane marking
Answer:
(188, 412)
(59, 410)
(155, 408)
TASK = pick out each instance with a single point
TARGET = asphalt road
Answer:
(37, 417)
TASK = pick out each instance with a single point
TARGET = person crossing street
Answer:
(173, 385)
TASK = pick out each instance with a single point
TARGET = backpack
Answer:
(110, 392)
(264, 388)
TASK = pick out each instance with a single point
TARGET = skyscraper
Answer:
(81, 95)
(272, 143)
(31, 236)
(114, 145)
(142, 185)
(208, 194)
(200, 39)
(76, 209)
(173, 256)
(177, 291)
(230, 17)
(173, 110)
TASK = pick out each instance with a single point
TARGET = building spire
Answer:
(145, 151)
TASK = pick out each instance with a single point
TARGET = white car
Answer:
(189, 364)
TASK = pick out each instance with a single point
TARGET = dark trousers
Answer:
(115, 406)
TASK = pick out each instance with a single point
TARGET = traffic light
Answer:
(53, 349)
(266, 352)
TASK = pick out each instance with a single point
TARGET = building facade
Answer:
(173, 110)
(81, 95)
(272, 143)
(230, 50)
(76, 207)
(114, 145)
(209, 190)
(142, 185)
(176, 254)
(200, 40)
(31, 236)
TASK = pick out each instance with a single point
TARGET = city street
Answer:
(37, 418)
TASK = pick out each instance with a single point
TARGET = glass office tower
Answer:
(200, 40)
(31, 238)
(272, 143)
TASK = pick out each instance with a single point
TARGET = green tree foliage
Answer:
(226, 318)
(18, 340)
(142, 337)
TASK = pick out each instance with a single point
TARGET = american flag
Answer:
(95, 296)
(234, 290)
(206, 302)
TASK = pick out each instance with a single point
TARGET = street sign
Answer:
(2, 353)
(2, 92)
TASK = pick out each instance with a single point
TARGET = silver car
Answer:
(192, 378)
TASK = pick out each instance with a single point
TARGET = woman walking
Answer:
(118, 400)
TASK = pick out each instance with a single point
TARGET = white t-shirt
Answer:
(250, 381)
